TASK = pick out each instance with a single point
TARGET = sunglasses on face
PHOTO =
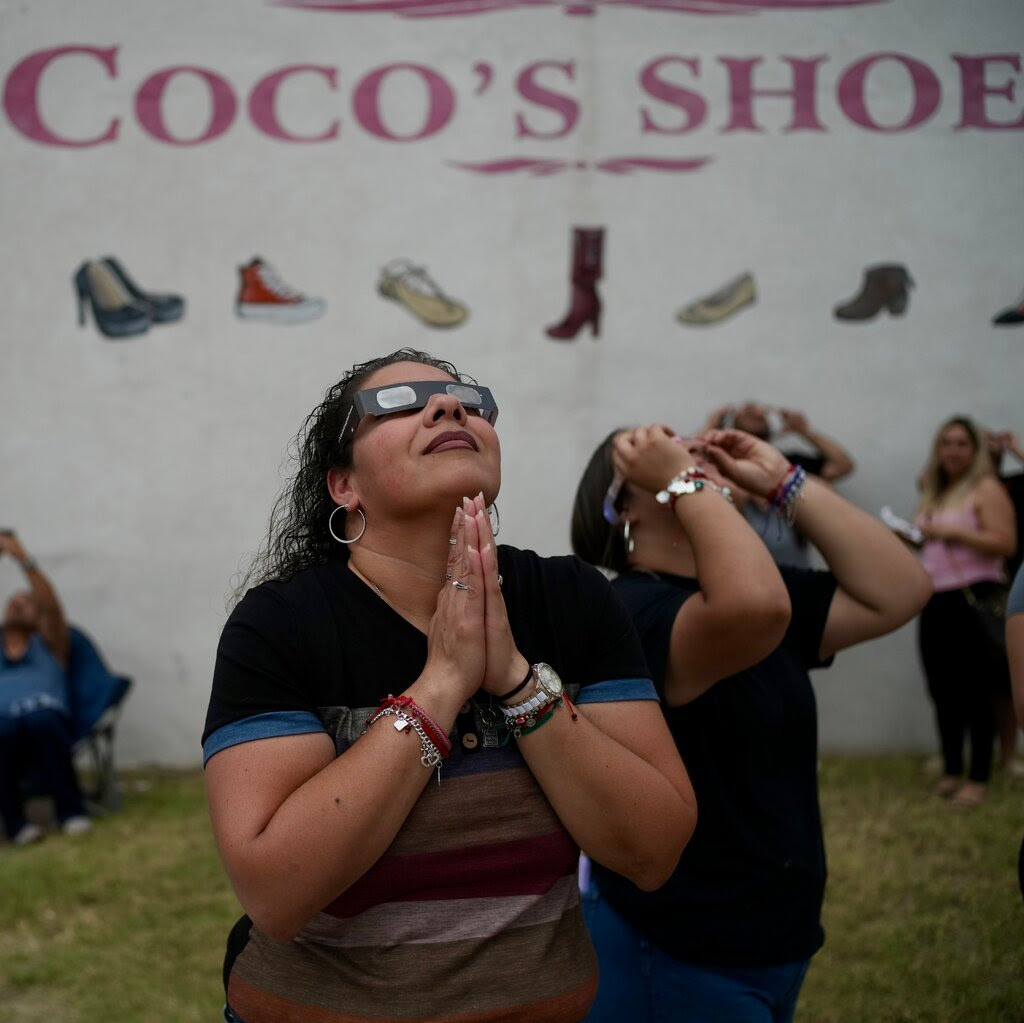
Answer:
(384, 401)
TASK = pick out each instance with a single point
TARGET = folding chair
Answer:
(97, 698)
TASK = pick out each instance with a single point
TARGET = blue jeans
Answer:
(39, 742)
(643, 984)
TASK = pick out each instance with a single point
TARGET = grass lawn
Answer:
(923, 915)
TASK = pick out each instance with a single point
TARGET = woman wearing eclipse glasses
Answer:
(412, 731)
(730, 935)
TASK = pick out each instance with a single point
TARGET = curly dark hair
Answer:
(593, 538)
(298, 534)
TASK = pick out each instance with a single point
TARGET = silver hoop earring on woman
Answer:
(495, 518)
(629, 541)
(330, 525)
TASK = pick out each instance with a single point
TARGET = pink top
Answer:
(952, 565)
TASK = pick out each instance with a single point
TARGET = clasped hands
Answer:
(469, 638)
(649, 456)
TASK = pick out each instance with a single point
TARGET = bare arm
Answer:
(880, 583)
(742, 609)
(615, 780)
(52, 625)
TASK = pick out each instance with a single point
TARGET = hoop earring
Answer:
(330, 525)
(628, 540)
(495, 518)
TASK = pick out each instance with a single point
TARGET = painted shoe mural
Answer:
(264, 295)
(1011, 316)
(586, 269)
(721, 304)
(120, 308)
(884, 287)
(411, 286)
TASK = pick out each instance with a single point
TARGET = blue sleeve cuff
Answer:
(618, 689)
(261, 726)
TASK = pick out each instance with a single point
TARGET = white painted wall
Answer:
(140, 472)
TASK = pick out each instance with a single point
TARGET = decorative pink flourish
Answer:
(454, 8)
(628, 164)
(615, 165)
(512, 165)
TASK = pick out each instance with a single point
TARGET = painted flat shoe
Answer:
(719, 305)
(411, 286)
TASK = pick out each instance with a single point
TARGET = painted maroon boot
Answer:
(584, 302)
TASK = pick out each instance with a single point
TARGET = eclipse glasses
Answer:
(383, 401)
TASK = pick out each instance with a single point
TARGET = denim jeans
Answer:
(40, 742)
(643, 984)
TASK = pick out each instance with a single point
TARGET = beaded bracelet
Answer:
(788, 491)
(523, 724)
(689, 481)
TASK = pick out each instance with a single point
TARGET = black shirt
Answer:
(749, 886)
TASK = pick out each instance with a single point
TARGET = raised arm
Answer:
(838, 462)
(53, 627)
(880, 583)
(742, 609)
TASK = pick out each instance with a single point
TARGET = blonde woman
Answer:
(968, 524)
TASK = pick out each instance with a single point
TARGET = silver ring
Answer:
(460, 585)
(453, 540)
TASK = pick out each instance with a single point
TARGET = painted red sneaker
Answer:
(263, 295)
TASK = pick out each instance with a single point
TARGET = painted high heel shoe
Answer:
(114, 311)
(884, 287)
(162, 308)
(1011, 316)
(410, 285)
(584, 301)
(720, 304)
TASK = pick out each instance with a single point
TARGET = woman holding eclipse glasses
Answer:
(730, 935)
(413, 731)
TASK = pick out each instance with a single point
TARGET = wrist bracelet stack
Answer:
(689, 481)
(435, 746)
(788, 491)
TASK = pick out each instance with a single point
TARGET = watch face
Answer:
(547, 679)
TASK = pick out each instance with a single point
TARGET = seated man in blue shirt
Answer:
(35, 726)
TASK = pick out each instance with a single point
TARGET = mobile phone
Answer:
(901, 526)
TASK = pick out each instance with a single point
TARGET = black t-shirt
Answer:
(323, 639)
(749, 886)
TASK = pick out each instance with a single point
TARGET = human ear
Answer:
(340, 487)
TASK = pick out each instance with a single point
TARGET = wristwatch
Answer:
(547, 687)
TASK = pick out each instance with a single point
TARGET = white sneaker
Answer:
(78, 825)
(28, 834)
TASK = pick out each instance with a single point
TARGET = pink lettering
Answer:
(263, 104)
(21, 96)
(851, 90)
(972, 74)
(692, 103)
(149, 100)
(440, 103)
(802, 93)
(531, 91)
